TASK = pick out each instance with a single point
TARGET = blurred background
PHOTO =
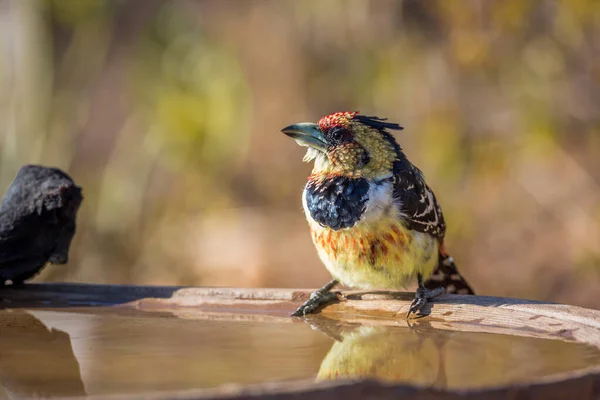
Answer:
(168, 114)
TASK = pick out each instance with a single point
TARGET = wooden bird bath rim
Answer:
(448, 312)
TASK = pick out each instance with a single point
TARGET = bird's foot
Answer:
(422, 296)
(318, 298)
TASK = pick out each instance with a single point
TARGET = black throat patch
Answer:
(337, 202)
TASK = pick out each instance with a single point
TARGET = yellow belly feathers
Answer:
(381, 254)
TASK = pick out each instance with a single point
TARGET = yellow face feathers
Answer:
(365, 153)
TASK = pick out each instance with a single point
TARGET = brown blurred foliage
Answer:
(168, 114)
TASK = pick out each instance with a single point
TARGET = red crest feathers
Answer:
(336, 119)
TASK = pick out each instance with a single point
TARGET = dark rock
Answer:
(37, 222)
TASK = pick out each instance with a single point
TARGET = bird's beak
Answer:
(307, 134)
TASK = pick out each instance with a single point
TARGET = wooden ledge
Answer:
(454, 312)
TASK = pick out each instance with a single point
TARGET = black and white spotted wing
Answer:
(417, 202)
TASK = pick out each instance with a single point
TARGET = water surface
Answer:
(78, 351)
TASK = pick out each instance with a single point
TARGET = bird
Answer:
(37, 222)
(373, 219)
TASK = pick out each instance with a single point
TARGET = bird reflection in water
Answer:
(36, 361)
(387, 353)
(442, 358)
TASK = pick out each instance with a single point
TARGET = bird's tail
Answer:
(447, 276)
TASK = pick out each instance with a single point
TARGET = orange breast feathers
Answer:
(361, 245)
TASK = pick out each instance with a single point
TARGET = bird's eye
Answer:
(337, 134)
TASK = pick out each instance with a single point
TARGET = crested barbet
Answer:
(373, 219)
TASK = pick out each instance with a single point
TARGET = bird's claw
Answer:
(316, 300)
(422, 296)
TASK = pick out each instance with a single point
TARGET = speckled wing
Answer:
(416, 200)
(422, 213)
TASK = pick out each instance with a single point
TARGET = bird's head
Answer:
(349, 144)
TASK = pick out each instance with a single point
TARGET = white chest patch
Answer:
(380, 203)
